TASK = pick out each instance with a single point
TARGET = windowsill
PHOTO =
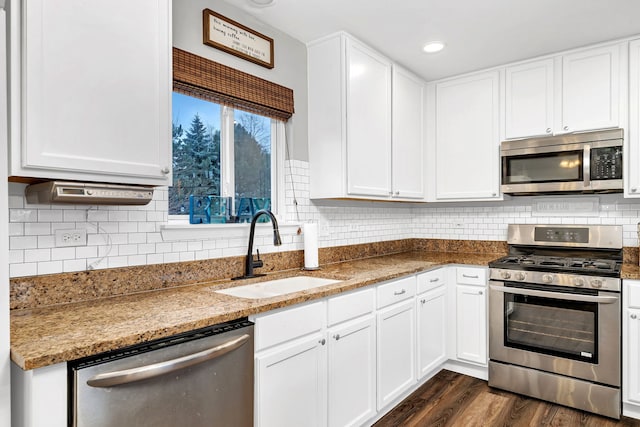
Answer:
(173, 232)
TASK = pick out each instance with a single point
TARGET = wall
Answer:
(290, 59)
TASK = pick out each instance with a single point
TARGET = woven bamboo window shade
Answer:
(202, 78)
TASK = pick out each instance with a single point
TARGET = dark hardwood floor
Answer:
(451, 399)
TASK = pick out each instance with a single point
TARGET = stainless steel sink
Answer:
(273, 288)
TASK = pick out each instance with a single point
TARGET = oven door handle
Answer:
(126, 376)
(556, 295)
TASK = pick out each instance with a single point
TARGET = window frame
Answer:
(278, 141)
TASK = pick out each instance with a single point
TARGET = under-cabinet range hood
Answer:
(81, 193)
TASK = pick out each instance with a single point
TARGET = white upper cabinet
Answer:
(590, 89)
(466, 147)
(631, 168)
(91, 90)
(573, 92)
(408, 139)
(369, 121)
(529, 99)
(352, 109)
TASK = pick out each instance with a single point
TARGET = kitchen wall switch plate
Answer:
(77, 237)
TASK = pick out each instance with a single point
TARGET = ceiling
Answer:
(478, 34)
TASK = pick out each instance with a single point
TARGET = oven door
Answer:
(574, 333)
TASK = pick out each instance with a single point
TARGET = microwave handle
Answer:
(586, 166)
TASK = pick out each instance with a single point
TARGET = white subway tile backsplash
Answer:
(49, 267)
(74, 265)
(37, 228)
(74, 215)
(23, 269)
(53, 215)
(63, 253)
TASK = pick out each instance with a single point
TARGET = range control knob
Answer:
(505, 275)
(578, 281)
(519, 276)
(596, 283)
(547, 278)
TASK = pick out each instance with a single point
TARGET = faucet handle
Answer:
(257, 263)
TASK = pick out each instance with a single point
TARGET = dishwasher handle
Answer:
(126, 376)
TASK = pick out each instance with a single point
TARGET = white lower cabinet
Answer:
(631, 343)
(290, 367)
(471, 315)
(396, 339)
(431, 314)
(351, 352)
(291, 385)
(352, 372)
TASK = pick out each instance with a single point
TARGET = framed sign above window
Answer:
(234, 38)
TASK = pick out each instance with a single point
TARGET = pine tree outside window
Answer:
(224, 153)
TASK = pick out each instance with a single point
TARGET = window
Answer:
(223, 162)
(228, 134)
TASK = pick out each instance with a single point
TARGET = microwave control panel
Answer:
(606, 163)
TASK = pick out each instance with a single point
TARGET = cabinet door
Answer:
(471, 324)
(632, 351)
(529, 99)
(96, 86)
(396, 351)
(407, 141)
(431, 330)
(632, 156)
(368, 122)
(467, 139)
(291, 385)
(352, 372)
(590, 89)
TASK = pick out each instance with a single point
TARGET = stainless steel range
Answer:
(554, 315)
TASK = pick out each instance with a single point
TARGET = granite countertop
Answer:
(630, 271)
(55, 334)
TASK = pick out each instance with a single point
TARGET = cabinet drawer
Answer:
(351, 305)
(430, 280)
(398, 290)
(288, 324)
(633, 294)
(471, 276)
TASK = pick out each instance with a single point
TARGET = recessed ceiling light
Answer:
(261, 3)
(433, 47)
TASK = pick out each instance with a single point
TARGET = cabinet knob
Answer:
(336, 337)
(633, 316)
(322, 341)
(633, 190)
(423, 301)
(566, 128)
(548, 130)
(165, 170)
(397, 193)
(400, 293)
(494, 194)
(434, 280)
(480, 293)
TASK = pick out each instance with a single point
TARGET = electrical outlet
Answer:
(77, 237)
(353, 228)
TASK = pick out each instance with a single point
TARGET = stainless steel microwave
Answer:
(588, 162)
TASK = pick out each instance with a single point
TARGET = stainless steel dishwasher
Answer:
(200, 378)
